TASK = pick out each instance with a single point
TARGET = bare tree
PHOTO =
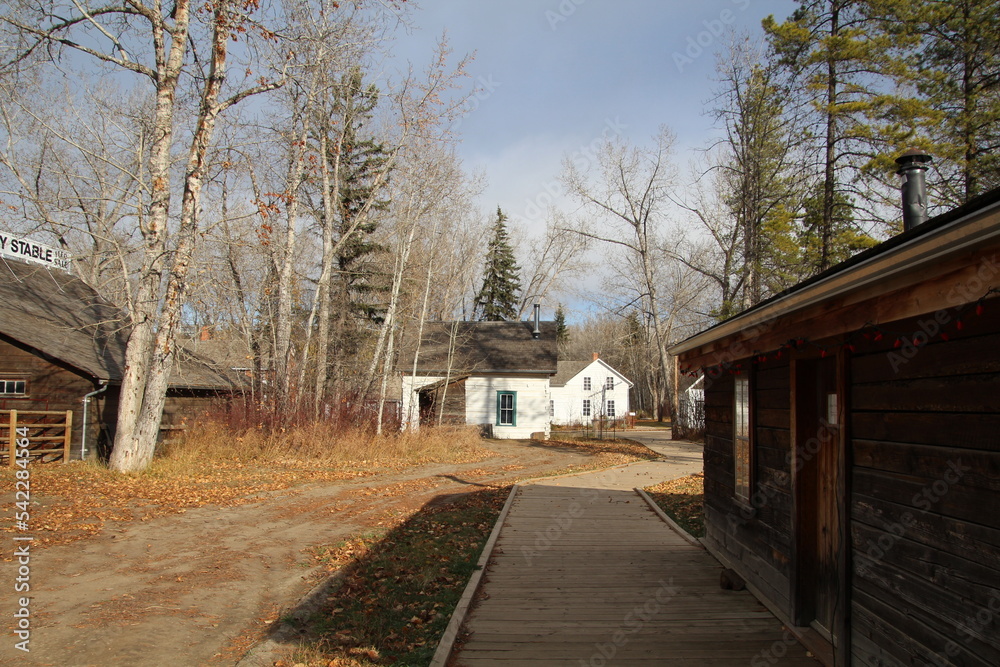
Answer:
(163, 46)
(552, 260)
(628, 193)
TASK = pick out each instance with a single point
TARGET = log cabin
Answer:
(60, 343)
(852, 450)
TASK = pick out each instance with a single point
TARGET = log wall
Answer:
(51, 386)
(755, 535)
(925, 525)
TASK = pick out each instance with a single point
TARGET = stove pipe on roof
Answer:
(912, 166)
(537, 333)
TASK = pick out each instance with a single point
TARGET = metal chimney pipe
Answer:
(537, 333)
(912, 167)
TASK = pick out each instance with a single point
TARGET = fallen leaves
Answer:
(683, 501)
(75, 501)
(400, 588)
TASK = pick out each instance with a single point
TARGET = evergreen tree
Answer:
(562, 331)
(352, 182)
(497, 299)
(361, 159)
(758, 178)
(836, 55)
(845, 240)
(954, 64)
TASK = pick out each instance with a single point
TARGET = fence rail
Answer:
(39, 429)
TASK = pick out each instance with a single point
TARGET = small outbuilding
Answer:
(582, 391)
(852, 456)
(490, 374)
(61, 343)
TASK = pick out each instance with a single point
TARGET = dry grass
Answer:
(213, 466)
(322, 444)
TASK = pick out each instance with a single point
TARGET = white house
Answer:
(491, 374)
(585, 390)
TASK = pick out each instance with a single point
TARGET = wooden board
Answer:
(584, 576)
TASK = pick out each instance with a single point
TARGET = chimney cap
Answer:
(913, 157)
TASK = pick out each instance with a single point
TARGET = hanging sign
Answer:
(31, 251)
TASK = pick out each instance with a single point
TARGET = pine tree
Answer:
(845, 240)
(562, 331)
(954, 64)
(758, 178)
(497, 299)
(836, 55)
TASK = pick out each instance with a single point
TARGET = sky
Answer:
(553, 76)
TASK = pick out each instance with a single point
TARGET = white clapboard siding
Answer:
(568, 399)
(532, 404)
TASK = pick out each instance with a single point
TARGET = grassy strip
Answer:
(683, 501)
(399, 589)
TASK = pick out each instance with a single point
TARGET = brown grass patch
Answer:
(213, 466)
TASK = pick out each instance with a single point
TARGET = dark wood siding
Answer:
(54, 385)
(51, 386)
(756, 538)
(925, 502)
(454, 404)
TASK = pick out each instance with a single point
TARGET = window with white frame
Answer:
(609, 408)
(586, 384)
(741, 438)
(586, 407)
(609, 383)
(12, 387)
(552, 408)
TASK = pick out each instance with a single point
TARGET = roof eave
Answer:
(972, 228)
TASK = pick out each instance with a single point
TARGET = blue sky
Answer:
(553, 75)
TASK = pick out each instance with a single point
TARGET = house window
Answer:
(506, 408)
(552, 408)
(741, 438)
(13, 387)
(586, 407)
(609, 383)
(609, 408)
(586, 384)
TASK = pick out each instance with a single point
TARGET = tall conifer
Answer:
(497, 299)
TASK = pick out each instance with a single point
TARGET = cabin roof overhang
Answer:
(872, 287)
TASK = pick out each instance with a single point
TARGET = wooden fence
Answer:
(49, 433)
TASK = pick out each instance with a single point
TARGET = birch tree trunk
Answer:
(143, 394)
(326, 273)
(109, 34)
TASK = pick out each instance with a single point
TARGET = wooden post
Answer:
(13, 438)
(69, 436)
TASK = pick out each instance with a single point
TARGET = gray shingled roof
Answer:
(483, 348)
(65, 319)
(566, 371)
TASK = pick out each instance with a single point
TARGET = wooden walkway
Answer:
(591, 576)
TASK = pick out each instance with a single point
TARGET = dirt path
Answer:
(199, 587)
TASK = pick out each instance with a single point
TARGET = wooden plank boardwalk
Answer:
(591, 576)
